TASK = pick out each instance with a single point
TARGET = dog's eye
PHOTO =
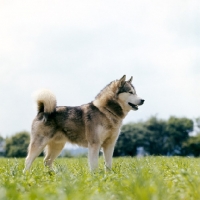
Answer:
(131, 92)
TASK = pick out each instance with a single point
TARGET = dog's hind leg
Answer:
(52, 151)
(36, 146)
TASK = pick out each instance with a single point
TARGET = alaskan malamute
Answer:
(94, 125)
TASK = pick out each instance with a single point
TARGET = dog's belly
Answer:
(75, 136)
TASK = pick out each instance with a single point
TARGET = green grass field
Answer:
(131, 178)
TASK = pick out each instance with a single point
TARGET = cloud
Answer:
(77, 47)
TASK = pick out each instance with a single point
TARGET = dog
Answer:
(94, 125)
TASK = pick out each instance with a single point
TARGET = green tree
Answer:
(1, 139)
(198, 122)
(132, 136)
(16, 146)
(177, 131)
(2, 146)
(150, 135)
(192, 146)
(155, 136)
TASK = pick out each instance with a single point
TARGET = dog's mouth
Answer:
(135, 107)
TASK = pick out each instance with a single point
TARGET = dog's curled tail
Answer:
(46, 101)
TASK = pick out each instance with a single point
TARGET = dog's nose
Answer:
(142, 101)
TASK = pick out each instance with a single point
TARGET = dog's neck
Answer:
(114, 107)
(111, 112)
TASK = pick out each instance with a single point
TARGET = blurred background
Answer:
(75, 48)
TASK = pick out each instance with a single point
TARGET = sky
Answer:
(75, 48)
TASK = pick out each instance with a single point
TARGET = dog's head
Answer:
(127, 94)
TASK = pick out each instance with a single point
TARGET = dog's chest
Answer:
(105, 132)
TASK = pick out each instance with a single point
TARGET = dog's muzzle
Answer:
(135, 107)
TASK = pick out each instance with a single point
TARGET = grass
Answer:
(131, 178)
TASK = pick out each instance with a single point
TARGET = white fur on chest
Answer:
(104, 133)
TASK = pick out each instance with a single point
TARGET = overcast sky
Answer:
(75, 48)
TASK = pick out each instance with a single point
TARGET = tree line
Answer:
(156, 136)
(159, 137)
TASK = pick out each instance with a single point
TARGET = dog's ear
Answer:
(122, 81)
(130, 80)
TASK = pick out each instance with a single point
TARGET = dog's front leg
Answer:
(93, 155)
(108, 149)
